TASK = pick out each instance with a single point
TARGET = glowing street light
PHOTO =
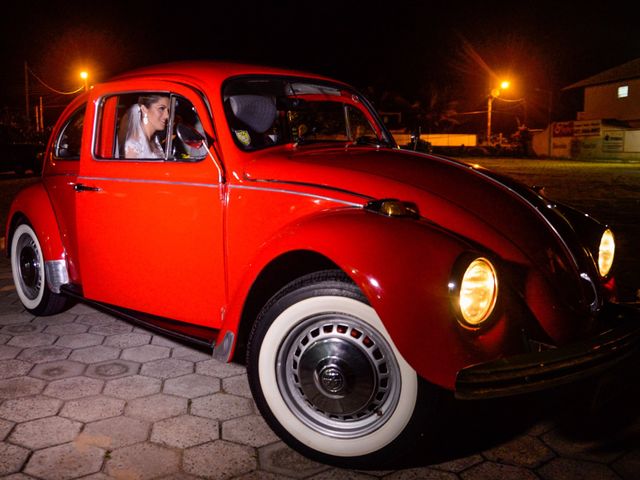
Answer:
(84, 75)
(494, 94)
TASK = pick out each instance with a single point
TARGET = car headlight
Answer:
(477, 292)
(606, 252)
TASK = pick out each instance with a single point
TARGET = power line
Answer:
(51, 88)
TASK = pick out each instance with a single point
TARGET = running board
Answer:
(193, 334)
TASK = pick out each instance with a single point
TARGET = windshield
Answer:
(269, 111)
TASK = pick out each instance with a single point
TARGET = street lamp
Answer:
(84, 75)
(492, 95)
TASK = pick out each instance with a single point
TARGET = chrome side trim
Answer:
(159, 182)
(222, 350)
(56, 274)
(293, 192)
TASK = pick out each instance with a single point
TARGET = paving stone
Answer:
(121, 431)
(22, 328)
(192, 386)
(460, 464)
(216, 368)
(4, 338)
(263, 475)
(238, 385)
(16, 314)
(8, 352)
(424, 473)
(184, 431)
(493, 471)
(111, 328)
(163, 341)
(523, 451)
(44, 354)
(83, 310)
(80, 340)
(95, 354)
(190, 354)
(250, 430)
(279, 458)
(132, 387)
(167, 368)
(57, 370)
(90, 409)
(18, 476)
(20, 387)
(45, 432)
(112, 369)
(30, 408)
(61, 319)
(156, 407)
(66, 329)
(627, 466)
(221, 460)
(581, 448)
(12, 458)
(32, 340)
(143, 461)
(13, 368)
(76, 387)
(127, 340)
(5, 428)
(64, 462)
(145, 353)
(569, 469)
(222, 406)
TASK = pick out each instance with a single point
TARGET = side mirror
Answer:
(190, 136)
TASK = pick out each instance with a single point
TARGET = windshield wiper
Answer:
(371, 140)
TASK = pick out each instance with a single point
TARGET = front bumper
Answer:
(529, 372)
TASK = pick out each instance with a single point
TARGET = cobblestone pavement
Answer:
(86, 395)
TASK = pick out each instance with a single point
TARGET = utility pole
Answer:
(26, 91)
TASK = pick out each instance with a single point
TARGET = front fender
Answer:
(404, 267)
(32, 204)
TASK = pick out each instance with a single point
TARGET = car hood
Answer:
(496, 213)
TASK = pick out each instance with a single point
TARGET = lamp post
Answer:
(84, 75)
(492, 95)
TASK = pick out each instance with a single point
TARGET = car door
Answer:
(150, 230)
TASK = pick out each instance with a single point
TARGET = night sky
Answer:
(398, 47)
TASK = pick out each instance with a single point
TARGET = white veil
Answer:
(136, 144)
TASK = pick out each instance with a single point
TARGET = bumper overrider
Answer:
(611, 350)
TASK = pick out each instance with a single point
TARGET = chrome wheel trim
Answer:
(338, 375)
(368, 441)
(27, 265)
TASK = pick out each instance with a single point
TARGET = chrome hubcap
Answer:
(29, 267)
(338, 375)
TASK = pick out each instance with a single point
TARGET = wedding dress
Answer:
(136, 144)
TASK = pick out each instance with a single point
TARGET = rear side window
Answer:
(143, 126)
(68, 142)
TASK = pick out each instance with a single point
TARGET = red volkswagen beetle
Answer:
(269, 215)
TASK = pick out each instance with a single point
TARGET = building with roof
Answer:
(608, 127)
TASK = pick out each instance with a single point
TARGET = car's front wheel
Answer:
(327, 377)
(29, 277)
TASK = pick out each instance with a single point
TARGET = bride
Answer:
(146, 118)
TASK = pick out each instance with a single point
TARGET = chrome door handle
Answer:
(80, 187)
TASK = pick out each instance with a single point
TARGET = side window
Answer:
(67, 145)
(135, 126)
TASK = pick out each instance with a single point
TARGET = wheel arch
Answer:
(32, 205)
(278, 273)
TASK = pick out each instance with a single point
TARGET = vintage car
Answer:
(282, 226)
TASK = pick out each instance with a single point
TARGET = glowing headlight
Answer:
(606, 252)
(478, 292)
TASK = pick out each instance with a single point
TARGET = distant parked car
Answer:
(18, 154)
(275, 220)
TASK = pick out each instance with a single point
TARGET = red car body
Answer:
(203, 246)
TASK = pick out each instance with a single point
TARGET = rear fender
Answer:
(33, 206)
